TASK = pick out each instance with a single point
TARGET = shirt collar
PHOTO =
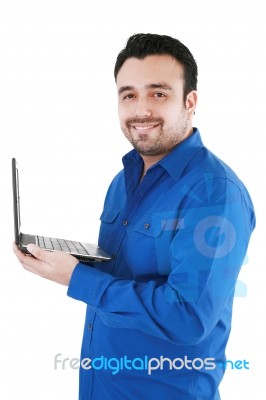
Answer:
(176, 161)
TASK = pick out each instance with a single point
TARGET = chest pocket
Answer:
(108, 230)
(147, 246)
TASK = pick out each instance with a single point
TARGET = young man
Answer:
(177, 221)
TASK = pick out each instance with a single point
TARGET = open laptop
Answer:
(82, 251)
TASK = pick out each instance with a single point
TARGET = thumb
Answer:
(39, 253)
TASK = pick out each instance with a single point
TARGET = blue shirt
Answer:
(159, 313)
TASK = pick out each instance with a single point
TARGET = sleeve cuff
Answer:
(85, 283)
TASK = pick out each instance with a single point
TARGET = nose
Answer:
(142, 107)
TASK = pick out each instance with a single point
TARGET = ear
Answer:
(191, 101)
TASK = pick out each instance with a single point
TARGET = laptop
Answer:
(84, 252)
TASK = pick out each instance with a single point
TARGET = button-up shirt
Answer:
(159, 313)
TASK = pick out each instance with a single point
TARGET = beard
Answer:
(156, 143)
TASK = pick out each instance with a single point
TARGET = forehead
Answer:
(157, 68)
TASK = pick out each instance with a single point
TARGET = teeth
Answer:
(143, 128)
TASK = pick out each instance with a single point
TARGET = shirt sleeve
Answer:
(206, 253)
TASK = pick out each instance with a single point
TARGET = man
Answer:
(177, 221)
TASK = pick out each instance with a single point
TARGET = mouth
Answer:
(143, 128)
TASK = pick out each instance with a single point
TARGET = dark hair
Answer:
(141, 45)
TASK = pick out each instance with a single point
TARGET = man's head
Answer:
(156, 80)
(142, 45)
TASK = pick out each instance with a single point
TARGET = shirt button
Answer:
(90, 327)
(125, 222)
(146, 226)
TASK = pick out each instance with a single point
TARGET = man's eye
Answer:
(128, 96)
(159, 94)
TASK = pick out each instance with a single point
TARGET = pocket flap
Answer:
(109, 215)
(150, 225)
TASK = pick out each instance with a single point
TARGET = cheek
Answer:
(172, 115)
(123, 113)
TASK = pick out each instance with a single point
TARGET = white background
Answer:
(58, 117)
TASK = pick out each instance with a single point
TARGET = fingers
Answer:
(29, 263)
(20, 255)
(56, 266)
(33, 264)
(37, 252)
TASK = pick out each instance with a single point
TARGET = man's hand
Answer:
(56, 266)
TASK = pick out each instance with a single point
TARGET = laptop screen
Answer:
(16, 205)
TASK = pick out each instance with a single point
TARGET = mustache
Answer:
(138, 120)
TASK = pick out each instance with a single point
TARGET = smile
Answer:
(144, 128)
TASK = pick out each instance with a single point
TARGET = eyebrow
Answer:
(160, 85)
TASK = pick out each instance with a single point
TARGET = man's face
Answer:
(151, 106)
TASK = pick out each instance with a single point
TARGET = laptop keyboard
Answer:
(61, 245)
